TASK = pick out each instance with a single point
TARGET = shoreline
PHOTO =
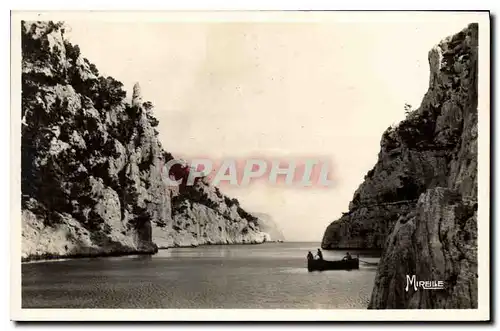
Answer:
(54, 257)
(352, 249)
(224, 244)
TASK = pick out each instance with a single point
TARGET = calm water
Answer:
(237, 276)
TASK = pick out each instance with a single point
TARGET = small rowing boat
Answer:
(320, 265)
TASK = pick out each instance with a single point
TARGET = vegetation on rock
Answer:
(92, 176)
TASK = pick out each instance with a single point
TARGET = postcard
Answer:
(250, 165)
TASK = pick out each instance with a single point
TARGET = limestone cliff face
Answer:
(92, 165)
(419, 202)
(267, 224)
(202, 215)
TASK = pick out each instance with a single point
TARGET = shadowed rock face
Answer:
(436, 241)
(92, 165)
(419, 202)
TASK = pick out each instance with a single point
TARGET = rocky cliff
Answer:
(419, 202)
(92, 177)
(267, 225)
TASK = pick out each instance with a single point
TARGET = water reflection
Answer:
(143, 257)
(268, 250)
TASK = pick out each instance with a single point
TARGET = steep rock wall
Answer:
(419, 202)
(93, 181)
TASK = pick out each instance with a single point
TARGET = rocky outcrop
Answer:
(365, 226)
(202, 215)
(419, 202)
(93, 179)
(436, 241)
(267, 224)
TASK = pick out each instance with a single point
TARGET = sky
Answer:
(325, 88)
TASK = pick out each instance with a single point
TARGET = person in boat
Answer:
(347, 257)
(319, 254)
(310, 256)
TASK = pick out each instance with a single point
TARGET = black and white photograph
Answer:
(302, 165)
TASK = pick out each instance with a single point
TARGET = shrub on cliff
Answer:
(72, 52)
(417, 131)
(148, 107)
(36, 50)
(110, 92)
